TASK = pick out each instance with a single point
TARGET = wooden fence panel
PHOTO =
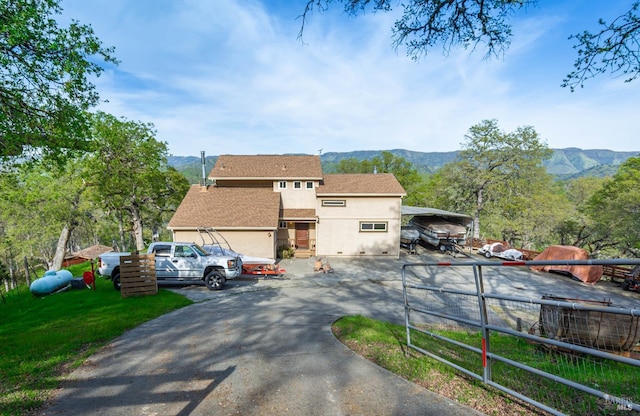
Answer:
(616, 272)
(138, 275)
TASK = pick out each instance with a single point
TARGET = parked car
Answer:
(179, 263)
(499, 250)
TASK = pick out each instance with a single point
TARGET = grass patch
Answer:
(41, 338)
(385, 344)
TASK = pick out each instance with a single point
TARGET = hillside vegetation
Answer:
(567, 163)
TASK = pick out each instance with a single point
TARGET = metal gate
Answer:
(536, 336)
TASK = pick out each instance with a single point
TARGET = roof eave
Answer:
(227, 228)
(323, 194)
(266, 178)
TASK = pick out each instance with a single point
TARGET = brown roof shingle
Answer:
(298, 213)
(92, 252)
(360, 184)
(227, 207)
(267, 167)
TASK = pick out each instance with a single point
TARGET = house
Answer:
(260, 203)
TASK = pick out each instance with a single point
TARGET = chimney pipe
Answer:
(202, 161)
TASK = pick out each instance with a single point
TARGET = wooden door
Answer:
(302, 235)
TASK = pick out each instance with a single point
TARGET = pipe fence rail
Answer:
(560, 345)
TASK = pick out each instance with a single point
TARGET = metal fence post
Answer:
(486, 363)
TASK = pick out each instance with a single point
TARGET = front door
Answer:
(302, 235)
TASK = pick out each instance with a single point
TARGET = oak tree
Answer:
(40, 206)
(130, 175)
(494, 169)
(615, 208)
(45, 86)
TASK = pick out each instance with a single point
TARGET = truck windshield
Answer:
(200, 250)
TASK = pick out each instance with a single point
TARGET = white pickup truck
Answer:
(179, 263)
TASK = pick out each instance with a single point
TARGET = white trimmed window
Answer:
(282, 224)
(309, 185)
(334, 203)
(373, 226)
(282, 185)
(297, 185)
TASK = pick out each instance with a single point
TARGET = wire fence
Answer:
(574, 351)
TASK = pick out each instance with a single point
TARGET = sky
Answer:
(232, 77)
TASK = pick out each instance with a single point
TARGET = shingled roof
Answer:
(227, 207)
(298, 214)
(303, 167)
(92, 252)
(371, 184)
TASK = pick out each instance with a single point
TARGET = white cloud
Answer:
(231, 77)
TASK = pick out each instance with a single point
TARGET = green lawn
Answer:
(385, 344)
(42, 338)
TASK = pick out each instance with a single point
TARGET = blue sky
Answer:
(231, 77)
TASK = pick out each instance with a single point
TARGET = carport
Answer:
(462, 219)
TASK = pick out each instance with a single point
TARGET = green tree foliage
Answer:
(495, 172)
(484, 24)
(615, 208)
(525, 212)
(130, 175)
(38, 203)
(387, 162)
(4, 272)
(576, 228)
(44, 79)
(615, 48)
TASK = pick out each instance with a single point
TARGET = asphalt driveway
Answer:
(258, 347)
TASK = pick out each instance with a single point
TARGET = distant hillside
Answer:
(574, 161)
(191, 167)
(424, 162)
(565, 163)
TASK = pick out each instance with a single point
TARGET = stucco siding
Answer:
(339, 230)
(296, 198)
(341, 237)
(374, 207)
(258, 243)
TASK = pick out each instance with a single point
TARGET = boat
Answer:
(51, 282)
(439, 232)
(409, 235)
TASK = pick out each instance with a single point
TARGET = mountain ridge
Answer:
(567, 163)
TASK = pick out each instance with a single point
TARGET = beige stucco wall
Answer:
(259, 243)
(297, 198)
(338, 232)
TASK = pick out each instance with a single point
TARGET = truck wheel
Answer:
(626, 284)
(116, 281)
(214, 280)
(442, 248)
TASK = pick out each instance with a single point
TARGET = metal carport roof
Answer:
(422, 211)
